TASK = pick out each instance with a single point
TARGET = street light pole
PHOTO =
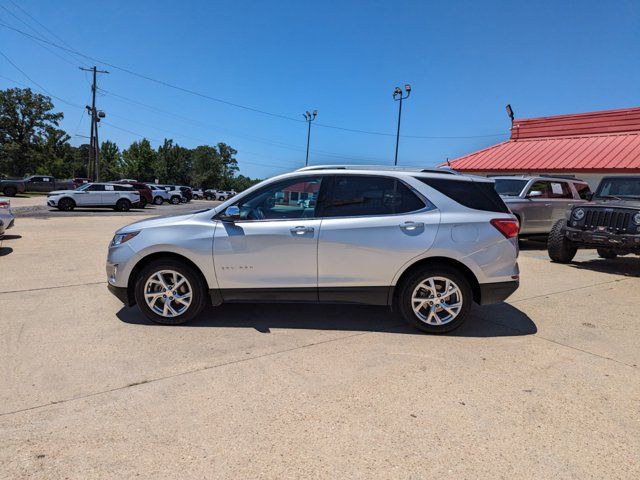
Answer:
(309, 117)
(398, 96)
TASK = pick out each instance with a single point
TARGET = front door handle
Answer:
(547, 204)
(301, 230)
(411, 225)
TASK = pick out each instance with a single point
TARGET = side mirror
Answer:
(231, 214)
(534, 193)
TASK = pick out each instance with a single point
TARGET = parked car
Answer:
(197, 193)
(610, 222)
(143, 189)
(187, 195)
(11, 188)
(46, 183)
(78, 181)
(6, 215)
(540, 201)
(117, 196)
(220, 195)
(210, 194)
(430, 244)
(161, 194)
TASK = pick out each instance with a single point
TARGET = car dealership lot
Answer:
(545, 386)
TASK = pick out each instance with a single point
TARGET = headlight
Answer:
(120, 238)
(578, 213)
(636, 218)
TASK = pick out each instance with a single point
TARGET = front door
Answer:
(372, 226)
(90, 196)
(270, 253)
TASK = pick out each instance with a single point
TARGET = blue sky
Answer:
(464, 59)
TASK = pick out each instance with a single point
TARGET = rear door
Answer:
(372, 226)
(111, 195)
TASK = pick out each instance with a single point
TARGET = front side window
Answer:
(95, 188)
(542, 187)
(281, 201)
(359, 195)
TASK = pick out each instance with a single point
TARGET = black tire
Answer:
(175, 200)
(406, 289)
(158, 200)
(123, 205)
(199, 296)
(221, 198)
(196, 197)
(10, 191)
(143, 202)
(559, 247)
(66, 204)
(184, 200)
(607, 253)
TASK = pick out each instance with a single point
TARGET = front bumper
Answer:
(122, 294)
(603, 239)
(491, 293)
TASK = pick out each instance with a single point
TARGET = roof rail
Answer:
(377, 167)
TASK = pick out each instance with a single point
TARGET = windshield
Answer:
(509, 186)
(84, 186)
(619, 188)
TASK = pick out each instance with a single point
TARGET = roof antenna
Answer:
(448, 163)
(510, 112)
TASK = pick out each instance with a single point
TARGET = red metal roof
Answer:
(588, 142)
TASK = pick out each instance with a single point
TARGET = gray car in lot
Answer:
(539, 201)
(428, 244)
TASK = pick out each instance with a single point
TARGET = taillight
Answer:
(4, 204)
(506, 226)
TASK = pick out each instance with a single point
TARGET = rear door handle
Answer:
(547, 204)
(411, 225)
(301, 230)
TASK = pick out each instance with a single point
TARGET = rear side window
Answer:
(360, 195)
(123, 188)
(583, 190)
(476, 195)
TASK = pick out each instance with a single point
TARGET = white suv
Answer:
(117, 196)
(427, 243)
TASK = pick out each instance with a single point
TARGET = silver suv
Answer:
(539, 201)
(428, 244)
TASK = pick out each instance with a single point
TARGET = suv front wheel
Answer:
(435, 299)
(559, 247)
(170, 292)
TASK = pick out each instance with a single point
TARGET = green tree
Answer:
(139, 161)
(110, 161)
(173, 164)
(25, 118)
(207, 166)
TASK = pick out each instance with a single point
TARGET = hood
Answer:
(613, 203)
(164, 221)
(60, 192)
(155, 222)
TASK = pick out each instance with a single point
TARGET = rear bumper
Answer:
(497, 292)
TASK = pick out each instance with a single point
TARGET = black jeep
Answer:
(609, 222)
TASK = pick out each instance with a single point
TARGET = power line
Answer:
(233, 104)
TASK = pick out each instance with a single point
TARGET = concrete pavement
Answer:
(546, 386)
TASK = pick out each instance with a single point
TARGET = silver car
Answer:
(428, 244)
(120, 197)
(6, 215)
(539, 201)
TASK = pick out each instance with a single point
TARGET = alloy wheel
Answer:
(168, 293)
(437, 300)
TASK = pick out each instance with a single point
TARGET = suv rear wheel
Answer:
(170, 292)
(175, 200)
(559, 247)
(123, 205)
(435, 299)
(158, 200)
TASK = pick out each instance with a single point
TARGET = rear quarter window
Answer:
(475, 195)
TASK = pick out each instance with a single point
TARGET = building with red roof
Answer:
(584, 145)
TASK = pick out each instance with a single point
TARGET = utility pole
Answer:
(309, 117)
(93, 168)
(398, 96)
